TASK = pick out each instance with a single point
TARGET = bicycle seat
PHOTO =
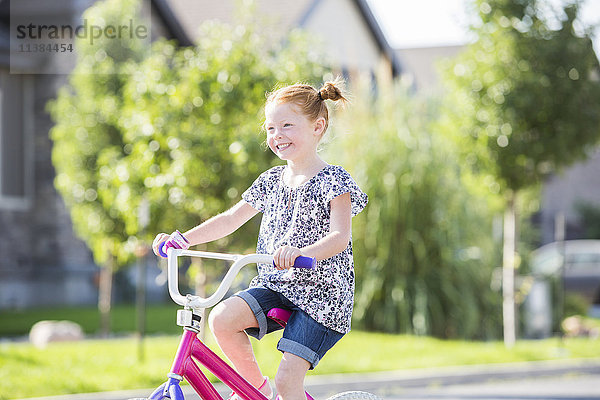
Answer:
(279, 315)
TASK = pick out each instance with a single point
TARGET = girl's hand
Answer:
(176, 240)
(285, 256)
(161, 237)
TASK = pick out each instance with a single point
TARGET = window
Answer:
(16, 144)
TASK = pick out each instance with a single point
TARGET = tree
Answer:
(87, 131)
(527, 96)
(423, 250)
(176, 128)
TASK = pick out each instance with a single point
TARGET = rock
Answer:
(44, 332)
(576, 326)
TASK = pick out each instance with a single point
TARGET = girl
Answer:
(307, 208)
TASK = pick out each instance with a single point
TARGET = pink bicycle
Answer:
(192, 350)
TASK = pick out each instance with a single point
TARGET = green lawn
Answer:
(159, 319)
(98, 365)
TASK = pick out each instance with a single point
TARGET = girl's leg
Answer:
(227, 322)
(290, 377)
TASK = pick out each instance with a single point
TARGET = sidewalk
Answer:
(387, 382)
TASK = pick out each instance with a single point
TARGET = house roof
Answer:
(182, 18)
(379, 36)
(172, 24)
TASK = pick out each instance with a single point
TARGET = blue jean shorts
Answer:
(302, 336)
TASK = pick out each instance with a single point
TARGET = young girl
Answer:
(307, 208)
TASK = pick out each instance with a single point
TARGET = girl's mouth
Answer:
(283, 146)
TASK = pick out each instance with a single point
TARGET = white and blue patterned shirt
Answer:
(299, 217)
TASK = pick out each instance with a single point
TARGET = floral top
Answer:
(299, 217)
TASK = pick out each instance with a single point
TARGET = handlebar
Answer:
(239, 261)
(300, 262)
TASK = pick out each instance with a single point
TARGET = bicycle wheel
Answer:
(354, 395)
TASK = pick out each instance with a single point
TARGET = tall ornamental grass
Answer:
(424, 250)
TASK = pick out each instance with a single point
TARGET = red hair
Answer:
(310, 101)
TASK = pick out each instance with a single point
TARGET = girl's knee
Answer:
(232, 315)
(217, 319)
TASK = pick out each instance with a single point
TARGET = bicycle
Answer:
(191, 349)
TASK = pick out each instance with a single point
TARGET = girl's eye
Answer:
(287, 125)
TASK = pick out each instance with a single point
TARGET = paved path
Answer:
(566, 387)
(544, 380)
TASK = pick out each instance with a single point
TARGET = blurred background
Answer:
(473, 127)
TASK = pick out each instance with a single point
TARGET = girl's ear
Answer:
(319, 126)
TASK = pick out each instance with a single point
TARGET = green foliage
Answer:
(575, 305)
(589, 215)
(179, 128)
(423, 249)
(526, 94)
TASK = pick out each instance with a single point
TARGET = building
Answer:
(419, 65)
(562, 193)
(347, 29)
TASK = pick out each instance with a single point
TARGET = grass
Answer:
(159, 319)
(99, 365)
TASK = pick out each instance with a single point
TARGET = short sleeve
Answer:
(341, 182)
(256, 194)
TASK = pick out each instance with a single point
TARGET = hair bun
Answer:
(329, 91)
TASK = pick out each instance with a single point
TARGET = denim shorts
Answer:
(302, 336)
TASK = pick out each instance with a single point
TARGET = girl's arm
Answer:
(214, 228)
(340, 229)
(221, 225)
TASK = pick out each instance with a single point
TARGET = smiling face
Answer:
(290, 135)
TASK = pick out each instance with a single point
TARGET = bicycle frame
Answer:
(185, 367)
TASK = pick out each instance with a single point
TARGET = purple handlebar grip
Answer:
(304, 262)
(160, 249)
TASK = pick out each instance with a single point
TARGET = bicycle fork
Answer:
(171, 388)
